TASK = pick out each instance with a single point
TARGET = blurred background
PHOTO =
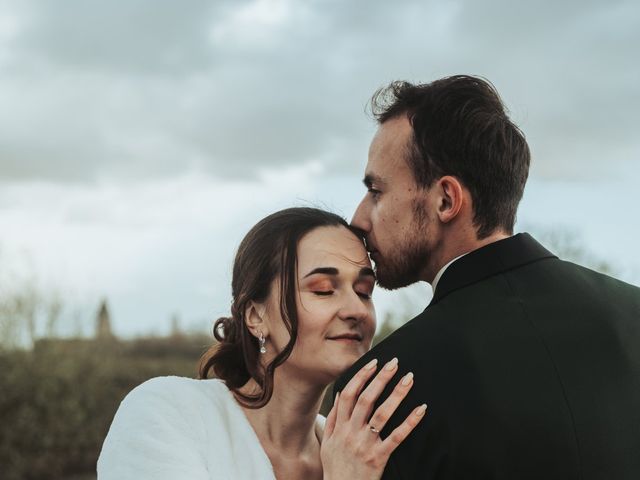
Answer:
(140, 140)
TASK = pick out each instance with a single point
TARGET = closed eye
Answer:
(323, 293)
(364, 295)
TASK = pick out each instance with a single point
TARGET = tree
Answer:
(19, 304)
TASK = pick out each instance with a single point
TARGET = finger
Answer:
(350, 392)
(384, 412)
(401, 432)
(330, 423)
(367, 399)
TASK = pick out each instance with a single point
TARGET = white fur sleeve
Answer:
(156, 434)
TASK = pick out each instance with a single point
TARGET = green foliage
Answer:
(58, 399)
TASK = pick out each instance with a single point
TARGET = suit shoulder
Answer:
(600, 280)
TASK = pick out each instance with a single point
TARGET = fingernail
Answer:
(421, 409)
(407, 379)
(335, 400)
(371, 364)
(393, 363)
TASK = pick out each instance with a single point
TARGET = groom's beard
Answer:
(403, 265)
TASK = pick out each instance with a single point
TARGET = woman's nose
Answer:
(355, 309)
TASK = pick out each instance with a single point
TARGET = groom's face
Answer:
(394, 214)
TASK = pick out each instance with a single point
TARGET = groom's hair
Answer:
(461, 128)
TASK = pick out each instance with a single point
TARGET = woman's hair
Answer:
(268, 252)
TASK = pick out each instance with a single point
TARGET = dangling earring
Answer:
(262, 342)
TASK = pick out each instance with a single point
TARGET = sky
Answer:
(140, 140)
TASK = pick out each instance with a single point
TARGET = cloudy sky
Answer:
(140, 140)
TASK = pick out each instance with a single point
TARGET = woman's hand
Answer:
(352, 448)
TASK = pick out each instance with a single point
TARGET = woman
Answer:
(301, 314)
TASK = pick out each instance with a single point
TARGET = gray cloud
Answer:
(142, 36)
(147, 88)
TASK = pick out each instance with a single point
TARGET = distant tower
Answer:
(176, 330)
(103, 323)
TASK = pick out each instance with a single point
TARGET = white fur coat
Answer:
(173, 428)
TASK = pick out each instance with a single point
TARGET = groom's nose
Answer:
(360, 218)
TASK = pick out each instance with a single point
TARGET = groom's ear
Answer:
(453, 197)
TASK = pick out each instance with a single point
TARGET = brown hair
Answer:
(268, 252)
(461, 128)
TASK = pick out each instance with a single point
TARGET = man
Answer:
(530, 365)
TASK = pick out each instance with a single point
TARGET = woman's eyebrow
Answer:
(364, 272)
(322, 270)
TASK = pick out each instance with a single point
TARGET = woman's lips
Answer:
(346, 338)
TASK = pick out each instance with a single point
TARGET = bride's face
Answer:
(336, 317)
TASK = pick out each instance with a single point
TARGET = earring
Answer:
(262, 342)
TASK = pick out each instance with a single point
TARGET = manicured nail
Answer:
(421, 409)
(407, 379)
(371, 364)
(393, 363)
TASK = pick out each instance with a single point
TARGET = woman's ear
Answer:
(254, 317)
(452, 198)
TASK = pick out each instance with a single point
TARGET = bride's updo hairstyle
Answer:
(268, 252)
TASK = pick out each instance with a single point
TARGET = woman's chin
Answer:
(353, 348)
(333, 365)
(345, 363)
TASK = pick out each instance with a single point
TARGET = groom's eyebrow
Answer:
(367, 272)
(369, 179)
(364, 272)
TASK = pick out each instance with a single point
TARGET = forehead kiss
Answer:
(333, 252)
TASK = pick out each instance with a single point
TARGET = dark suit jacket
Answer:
(530, 367)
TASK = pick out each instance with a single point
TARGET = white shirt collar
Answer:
(438, 276)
